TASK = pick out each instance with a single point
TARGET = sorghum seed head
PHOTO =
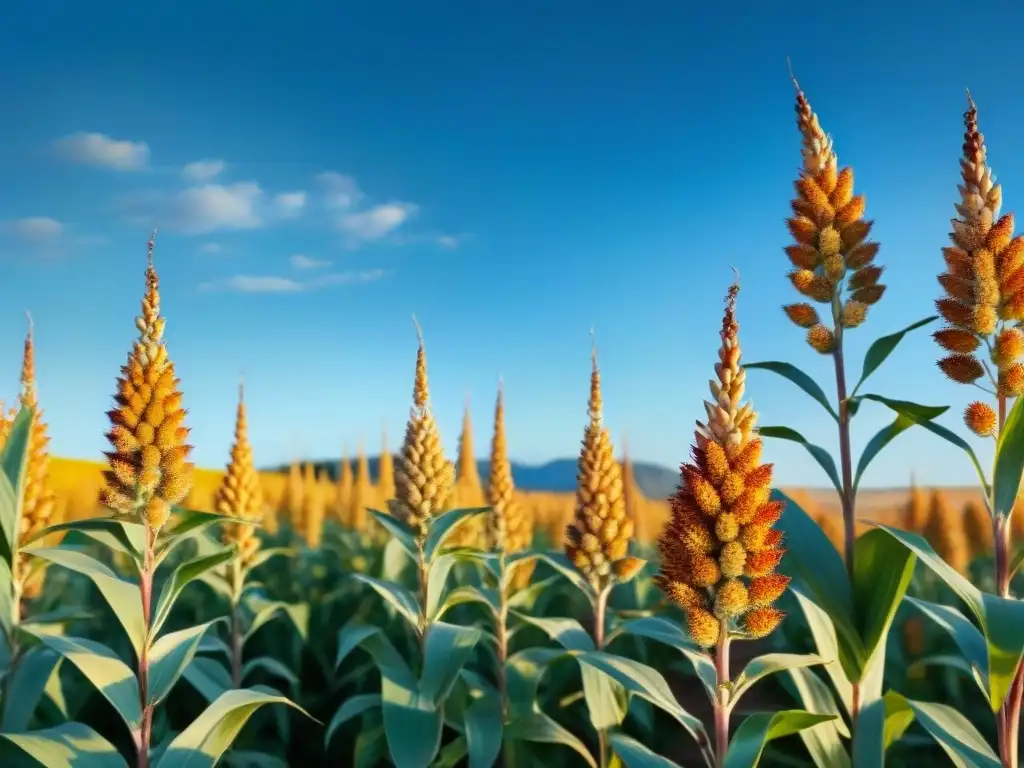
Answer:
(1011, 380)
(964, 369)
(956, 340)
(854, 313)
(980, 419)
(240, 494)
(761, 622)
(803, 315)
(821, 339)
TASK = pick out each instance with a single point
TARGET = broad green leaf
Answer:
(208, 676)
(882, 571)
(956, 735)
(882, 347)
(898, 717)
(110, 676)
(122, 596)
(826, 642)
(13, 460)
(539, 728)
(1000, 618)
(68, 745)
(203, 742)
(263, 555)
(566, 632)
(398, 530)
(948, 661)
(272, 666)
(170, 655)
(607, 701)
(443, 526)
(530, 597)
(397, 596)
(6, 593)
(768, 664)
(265, 610)
(484, 728)
(523, 673)
(1016, 562)
(446, 649)
(967, 637)
(756, 730)
(467, 593)
(824, 743)
(113, 532)
(816, 567)
(185, 525)
(1009, 464)
(646, 682)
(635, 755)
(352, 707)
(240, 758)
(437, 579)
(819, 454)
(798, 377)
(560, 563)
(181, 577)
(513, 563)
(908, 415)
(671, 634)
(936, 429)
(24, 685)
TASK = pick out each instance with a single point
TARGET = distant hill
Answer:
(558, 476)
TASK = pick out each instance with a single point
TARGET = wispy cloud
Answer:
(204, 170)
(200, 210)
(100, 150)
(279, 284)
(339, 191)
(302, 261)
(34, 229)
(374, 223)
(211, 247)
(289, 205)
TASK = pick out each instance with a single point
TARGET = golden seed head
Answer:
(956, 340)
(509, 527)
(361, 489)
(343, 503)
(854, 313)
(977, 528)
(821, 339)
(314, 507)
(719, 549)
(424, 479)
(803, 315)
(240, 494)
(1011, 380)
(964, 369)
(944, 531)
(468, 490)
(600, 531)
(980, 419)
(1009, 346)
(915, 511)
(385, 471)
(761, 622)
(149, 471)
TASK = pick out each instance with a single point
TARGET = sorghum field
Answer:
(155, 614)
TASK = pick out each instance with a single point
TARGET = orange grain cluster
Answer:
(983, 287)
(149, 471)
(719, 550)
(509, 526)
(831, 251)
(240, 494)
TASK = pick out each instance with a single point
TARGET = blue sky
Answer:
(513, 174)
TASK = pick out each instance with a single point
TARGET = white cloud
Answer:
(449, 241)
(211, 207)
(100, 150)
(289, 205)
(211, 248)
(34, 229)
(278, 284)
(204, 170)
(340, 191)
(302, 261)
(374, 223)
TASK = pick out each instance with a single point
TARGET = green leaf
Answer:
(768, 664)
(647, 683)
(819, 454)
(754, 733)
(467, 593)
(208, 736)
(513, 563)
(816, 568)
(824, 743)
(68, 745)
(182, 576)
(265, 610)
(607, 701)
(798, 377)
(560, 563)
(13, 460)
(539, 728)
(1009, 463)
(110, 676)
(437, 578)
(122, 596)
(882, 571)
(483, 731)
(398, 530)
(881, 348)
(444, 525)
(401, 599)
(273, 667)
(673, 635)
(1000, 618)
(967, 637)
(826, 642)
(446, 650)
(23, 687)
(635, 755)
(208, 677)
(170, 655)
(263, 555)
(954, 733)
(352, 707)
(908, 415)
(523, 673)
(186, 524)
(566, 632)
(112, 532)
(936, 429)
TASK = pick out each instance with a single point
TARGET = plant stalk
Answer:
(146, 590)
(846, 498)
(237, 580)
(502, 632)
(722, 703)
(424, 573)
(600, 609)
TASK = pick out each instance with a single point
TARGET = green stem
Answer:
(424, 574)
(722, 703)
(146, 590)
(600, 609)
(502, 632)
(237, 639)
